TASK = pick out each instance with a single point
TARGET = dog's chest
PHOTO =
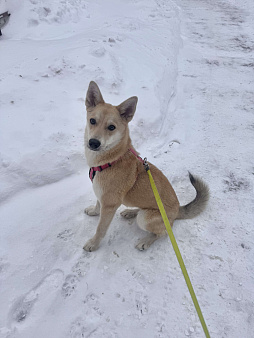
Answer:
(97, 188)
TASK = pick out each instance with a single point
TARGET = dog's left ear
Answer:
(128, 108)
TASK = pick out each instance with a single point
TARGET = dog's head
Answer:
(106, 124)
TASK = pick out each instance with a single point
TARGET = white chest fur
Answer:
(97, 188)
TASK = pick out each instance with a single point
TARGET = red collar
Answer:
(93, 170)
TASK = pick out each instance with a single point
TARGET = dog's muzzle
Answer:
(94, 144)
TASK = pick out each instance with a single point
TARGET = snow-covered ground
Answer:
(190, 62)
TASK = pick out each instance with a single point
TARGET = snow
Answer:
(191, 65)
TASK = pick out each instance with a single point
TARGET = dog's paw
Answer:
(142, 246)
(129, 213)
(92, 211)
(91, 245)
(146, 242)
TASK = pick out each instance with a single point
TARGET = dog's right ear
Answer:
(93, 95)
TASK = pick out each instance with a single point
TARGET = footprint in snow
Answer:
(38, 299)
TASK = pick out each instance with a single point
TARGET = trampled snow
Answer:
(191, 65)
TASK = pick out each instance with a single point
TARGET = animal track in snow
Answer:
(92, 321)
(141, 303)
(80, 268)
(65, 235)
(234, 184)
(78, 328)
(69, 285)
(82, 327)
(92, 304)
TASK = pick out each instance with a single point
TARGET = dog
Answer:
(119, 176)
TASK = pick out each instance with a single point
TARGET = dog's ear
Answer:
(127, 108)
(93, 95)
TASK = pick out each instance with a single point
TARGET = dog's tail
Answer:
(195, 207)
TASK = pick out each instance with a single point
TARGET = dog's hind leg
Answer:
(129, 213)
(151, 221)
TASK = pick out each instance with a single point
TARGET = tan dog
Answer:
(119, 176)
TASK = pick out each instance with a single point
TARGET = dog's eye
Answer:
(111, 127)
(92, 121)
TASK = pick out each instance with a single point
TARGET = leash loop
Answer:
(146, 165)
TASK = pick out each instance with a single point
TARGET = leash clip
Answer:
(145, 163)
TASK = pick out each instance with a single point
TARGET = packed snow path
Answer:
(191, 65)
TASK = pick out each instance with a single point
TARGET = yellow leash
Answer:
(176, 249)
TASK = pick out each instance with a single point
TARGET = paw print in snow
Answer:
(69, 285)
(65, 235)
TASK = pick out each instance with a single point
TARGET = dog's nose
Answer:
(94, 144)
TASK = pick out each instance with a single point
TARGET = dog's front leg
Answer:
(106, 215)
